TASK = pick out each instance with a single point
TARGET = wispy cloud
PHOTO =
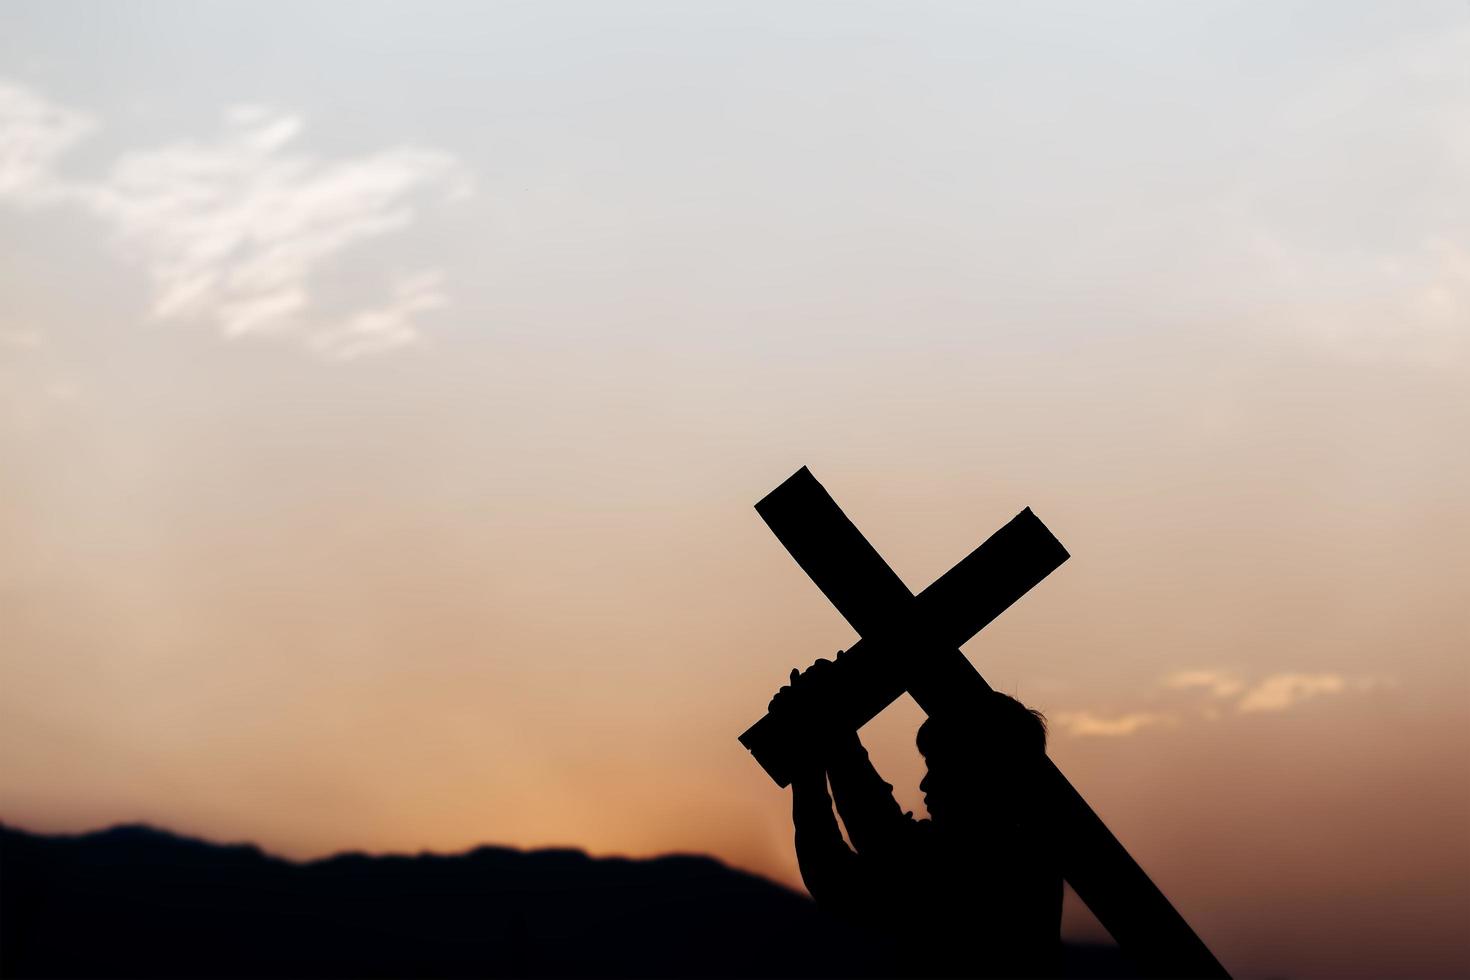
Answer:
(1217, 683)
(21, 338)
(1411, 306)
(1282, 691)
(33, 135)
(1085, 724)
(388, 326)
(1276, 692)
(236, 230)
(1216, 693)
(1334, 261)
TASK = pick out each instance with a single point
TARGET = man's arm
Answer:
(828, 866)
(874, 820)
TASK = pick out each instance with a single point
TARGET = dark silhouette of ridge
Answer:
(134, 901)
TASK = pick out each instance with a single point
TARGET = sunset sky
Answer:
(385, 390)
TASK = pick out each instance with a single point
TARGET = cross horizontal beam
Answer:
(929, 628)
(914, 647)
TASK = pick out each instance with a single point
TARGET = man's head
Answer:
(982, 766)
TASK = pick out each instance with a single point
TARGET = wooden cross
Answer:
(911, 643)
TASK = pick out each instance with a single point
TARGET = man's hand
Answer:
(804, 703)
(799, 694)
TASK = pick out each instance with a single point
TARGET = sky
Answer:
(385, 390)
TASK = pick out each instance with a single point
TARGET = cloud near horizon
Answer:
(1085, 724)
(1282, 691)
(1218, 684)
(236, 230)
(1275, 693)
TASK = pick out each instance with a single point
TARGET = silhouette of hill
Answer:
(134, 901)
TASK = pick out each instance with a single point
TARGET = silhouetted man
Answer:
(974, 890)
